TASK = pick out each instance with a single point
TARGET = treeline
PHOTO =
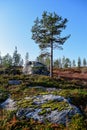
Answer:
(14, 60)
(67, 63)
(17, 60)
(63, 62)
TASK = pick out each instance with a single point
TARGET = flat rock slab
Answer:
(43, 107)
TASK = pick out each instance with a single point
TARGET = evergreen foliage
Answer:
(79, 62)
(47, 33)
(84, 62)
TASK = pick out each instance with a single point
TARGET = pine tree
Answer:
(7, 60)
(73, 63)
(56, 63)
(79, 62)
(84, 62)
(26, 58)
(16, 57)
(67, 63)
(47, 33)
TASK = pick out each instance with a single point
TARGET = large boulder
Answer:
(33, 67)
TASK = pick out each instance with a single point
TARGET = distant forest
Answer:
(17, 60)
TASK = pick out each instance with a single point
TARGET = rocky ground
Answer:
(43, 107)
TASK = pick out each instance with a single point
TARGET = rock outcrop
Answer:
(33, 67)
(43, 107)
(52, 108)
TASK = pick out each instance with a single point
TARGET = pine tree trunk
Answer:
(51, 61)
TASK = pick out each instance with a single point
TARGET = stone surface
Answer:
(33, 67)
(9, 104)
(14, 82)
(41, 108)
(53, 116)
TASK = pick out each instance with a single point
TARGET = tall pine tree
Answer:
(47, 33)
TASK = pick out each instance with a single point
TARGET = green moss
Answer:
(24, 103)
(42, 112)
(53, 105)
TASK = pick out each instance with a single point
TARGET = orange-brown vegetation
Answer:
(73, 73)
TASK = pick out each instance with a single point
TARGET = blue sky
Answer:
(17, 18)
